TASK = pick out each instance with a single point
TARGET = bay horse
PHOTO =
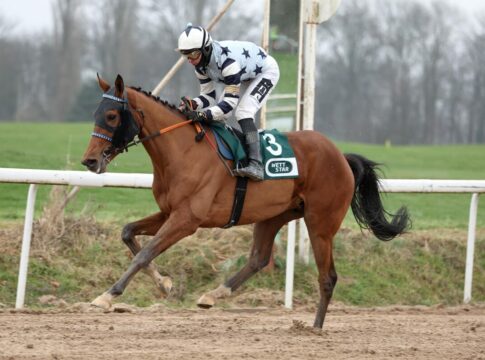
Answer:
(193, 190)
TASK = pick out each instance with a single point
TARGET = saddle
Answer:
(278, 157)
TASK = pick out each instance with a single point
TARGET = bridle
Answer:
(123, 134)
(120, 142)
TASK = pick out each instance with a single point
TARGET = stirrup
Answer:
(254, 171)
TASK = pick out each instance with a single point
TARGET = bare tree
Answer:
(69, 44)
(115, 37)
(476, 102)
(398, 53)
(350, 60)
(402, 71)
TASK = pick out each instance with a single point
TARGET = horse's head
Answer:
(114, 127)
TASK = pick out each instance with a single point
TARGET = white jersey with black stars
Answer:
(231, 63)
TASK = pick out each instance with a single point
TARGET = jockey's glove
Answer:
(187, 104)
(199, 116)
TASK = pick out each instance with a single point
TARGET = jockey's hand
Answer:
(187, 104)
(198, 116)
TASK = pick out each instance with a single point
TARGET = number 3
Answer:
(277, 149)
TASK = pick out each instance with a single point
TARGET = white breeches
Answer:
(255, 93)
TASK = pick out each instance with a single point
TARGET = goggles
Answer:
(191, 54)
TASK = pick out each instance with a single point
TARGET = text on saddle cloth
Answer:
(278, 157)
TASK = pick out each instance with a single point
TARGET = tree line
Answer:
(51, 76)
(402, 71)
(399, 71)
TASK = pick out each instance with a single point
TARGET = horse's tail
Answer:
(367, 205)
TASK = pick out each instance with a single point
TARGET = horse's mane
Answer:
(156, 98)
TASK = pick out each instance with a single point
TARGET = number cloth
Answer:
(278, 157)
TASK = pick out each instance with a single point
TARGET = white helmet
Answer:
(194, 38)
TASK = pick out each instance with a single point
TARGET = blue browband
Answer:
(112, 97)
(101, 136)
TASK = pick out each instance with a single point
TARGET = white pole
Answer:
(299, 91)
(300, 101)
(168, 76)
(180, 61)
(304, 243)
(470, 249)
(290, 264)
(308, 112)
(265, 46)
(309, 86)
(24, 256)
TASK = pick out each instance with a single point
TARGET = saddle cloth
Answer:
(278, 157)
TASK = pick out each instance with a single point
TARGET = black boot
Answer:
(254, 170)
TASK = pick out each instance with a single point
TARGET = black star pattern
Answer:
(262, 54)
(258, 70)
(225, 50)
(245, 53)
(243, 71)
(187, 30)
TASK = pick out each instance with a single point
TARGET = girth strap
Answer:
(237, 205)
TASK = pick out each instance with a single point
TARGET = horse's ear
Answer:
(103, 84)
(120, 86)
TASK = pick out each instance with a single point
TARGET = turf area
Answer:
(61, 146)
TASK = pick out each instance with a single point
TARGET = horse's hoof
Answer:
(103, 301)
(206, 301)
(165, 285)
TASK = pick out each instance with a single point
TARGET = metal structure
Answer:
(88, 179)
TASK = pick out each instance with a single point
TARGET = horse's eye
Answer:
(111, 116)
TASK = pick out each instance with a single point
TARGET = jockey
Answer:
(248, 74)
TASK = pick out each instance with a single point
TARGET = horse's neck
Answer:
(168, 147)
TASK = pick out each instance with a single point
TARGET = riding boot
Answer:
(254, 170)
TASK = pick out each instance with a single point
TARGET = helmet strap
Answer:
(206, 56)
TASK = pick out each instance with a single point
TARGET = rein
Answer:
(200, 132)
(158, 133)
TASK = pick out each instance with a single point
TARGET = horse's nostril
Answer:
(89, 163)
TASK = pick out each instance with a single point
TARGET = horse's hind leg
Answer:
(147, 226)
(322, 231)
(264, 235)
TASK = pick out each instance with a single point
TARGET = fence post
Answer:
(24, 256)
(290, 264)
(470, 249)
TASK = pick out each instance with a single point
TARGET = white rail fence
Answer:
(87, 179)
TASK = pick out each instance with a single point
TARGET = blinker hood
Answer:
(128, 128)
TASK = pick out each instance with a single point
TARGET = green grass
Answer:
(429, 162)
(288, 64)
(425, 268)
(61, 146)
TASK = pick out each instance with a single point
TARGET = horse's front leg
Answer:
(147, 226)
(178, 225)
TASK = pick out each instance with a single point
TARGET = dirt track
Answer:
(159, 333)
